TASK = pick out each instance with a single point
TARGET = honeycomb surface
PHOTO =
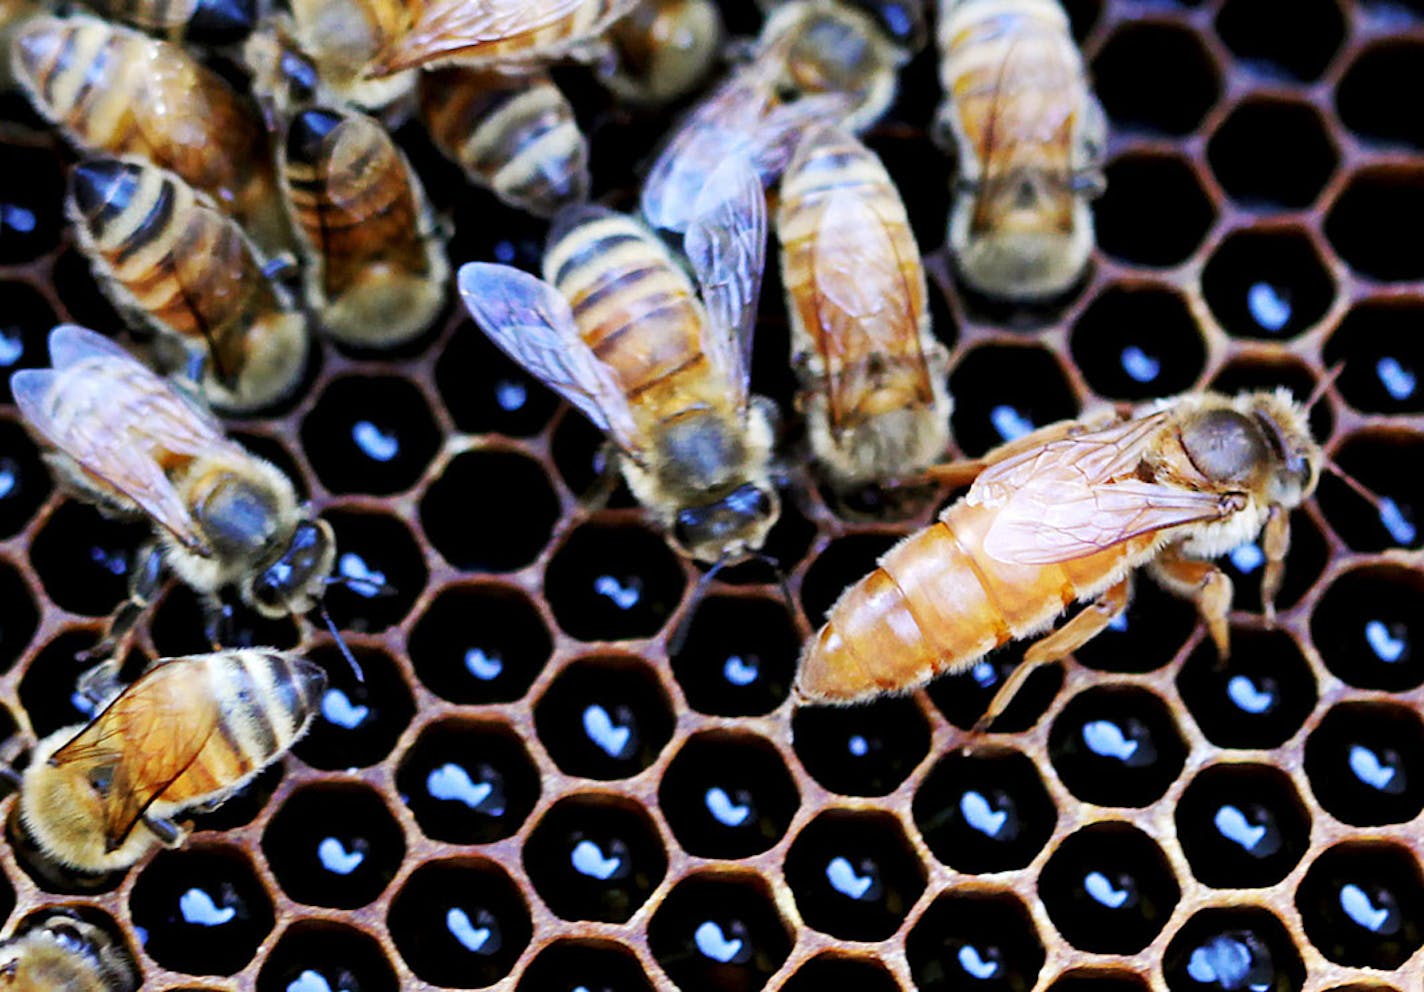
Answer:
(528, 793)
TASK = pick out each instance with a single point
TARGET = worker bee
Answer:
(1068, 513)
(661, 50)
(376, 267)
(170, 260)
(63, 953)
(132, 443)
(187, 734)
(337, 40)
(1028, 136)
(618, 331)
(204, 22)
(872, 374)
(114, 91)
(512, 134)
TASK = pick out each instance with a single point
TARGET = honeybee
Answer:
(873, 377)
(1029, 138)
(188, 733)
(376, 267)
(113, 91)
(1068, 513)
(169, 259)
(65, 954)
(512, 134)
(338, 39)
(132, 443)
(205, 22)
(662, 49)
(618, 330)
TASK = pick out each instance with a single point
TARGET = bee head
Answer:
(293, 582)
(1264, 438)
(1296, 460)
(729, 528)
(902, 21)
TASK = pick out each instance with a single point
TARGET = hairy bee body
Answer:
(208, 22)
(63, 953)
(341, 38)
(872, 374)
(118, 92)
(376, 267)
(662, 49)
(188, 732)
(1028, 136)
(170, 259)
(512, 134)
(1066, 515)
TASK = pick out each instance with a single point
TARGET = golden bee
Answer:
(1028, 137)
(132, 443)
(114, 91)
(873, 377)
(339, 38)
(187, 734)
(662, 50)
(170, 260)
(619, 331)
(1067, 514)
(205, 22)
(512, 134)
(376, 268)
(63, 953)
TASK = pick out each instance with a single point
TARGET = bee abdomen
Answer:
(270, 697)
(211, 22)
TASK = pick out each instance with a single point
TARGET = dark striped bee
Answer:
(662, 50)
(187, 734)
(204, 22)
(170, 260)
(63, 953)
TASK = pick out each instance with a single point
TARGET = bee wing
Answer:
(726, 244)
(863, 301)
(1074, 497)
(148, 736)
(106, 417)
(533, 324)
(444, 28)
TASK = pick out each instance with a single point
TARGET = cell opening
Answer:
(982, 940)
(1367, 92)
(1164, 188)
(480, 643)
(369, 434)
(861, 750)
(717, 931)
(334, 845)
(1365, 763)
(1138, 342)
(604, 718)
(589, 964)
(1383, 356)
(1268, 284)
(1368, 221)
(359, 722)
(739, 656)
(311, 953)
(1364, 627)
(1373, 458)
(1258, 699)
(383, 565)
(727, 795)
(1116, 746)
(1242, 826)
(984, 811)
(1233, 948)
(1361, 904)
(613, 582)
(468, 782)
(1002, 393)
(1155, 76)
(490, 511)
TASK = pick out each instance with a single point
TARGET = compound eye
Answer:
(1224, 445)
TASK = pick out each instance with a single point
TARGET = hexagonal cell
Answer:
(1365, 763)
(1361, 904)
(861, 750)
(842, 563)
(1003, 392)
(1164, 188)
(840, 971)
(383, 568)
(1136, 342)
(964, 697)
(490, 511)
(1116, 746)
(727, 795)
(82, 558)
(1272, 154)
(1257, 699)
(370, 434)
(984, 810)
(1364, 625)
(1108, 888)
(854, 875)
(1267, 283)
(1227, 949)
(359, 722)
(310, 954)
(595, 857)
(583, 963)
(204, 910)
(334, 844)
(1155, 76)
(83, 302)
(739, 656)
(31, 219)
(47, 689)
(1098, 980)
(480, 643)
(719, 930)
(488, 393)
(1373, 457)
(460, 923)
(21, 616)
(1384, 198)
(24, 333)
(982, 940)
(1369, 88)
(468, 782)
(1242, 826)
(1252, 30)
(24, 480)
(613, 582)
(1383, 356)
(1146, 637)
(604, 718)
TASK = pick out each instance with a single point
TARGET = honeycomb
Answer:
(528, 794)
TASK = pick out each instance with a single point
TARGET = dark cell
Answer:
(1383, 356)
(379, 567)
(334, 845)
(984, 810)
(964, 697)
(1137, 343)
(1092, 980)
(1252, 30)
(594, 857)
(861, 750)
(1163, 188)
(1156, 77)
(490, 511)
(1263, 283)
(1362, 904)
(570, 965)
(1370, 221)
(1393, 517)
(1272, 155)
(739, 656)
(1116, 746)
(719, 933)
(1146, 637)
(24, 336)
(488, 393)
(369, 434)
(1227, 950)
(727, 796)
(1002, 393)
(604, 718)
(1242, 826)
(1368, 94)
(20, 618)
(837, 971)
(47, 690)
(82, 301)
(310, 954)
(982, 940)
(30, 211)
(1365, 763)
(1364, 627)
(609, 583)
(1257, 699)
(24, 479)
(468, 782)
(843, 563)
(359, 721)
(83, 558)
(1108, 888)
(480, 643)
(587, 463)
(178, 625)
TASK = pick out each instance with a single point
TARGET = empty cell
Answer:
(719, 930)
(604, 718)
(1257, 699)
(984, 811)
(468, 782)
(1272, 154)
(380, 570)
(1267, 283)
(1228, 949)
(1365, 763)
(490, 511)
(1116, 746)
(1154, 211)
(1242, 826)
(1361, 904)
(369, 434)
(360, 720)
(739, 656)
(1002, 393)
(480, 643)
(581, 963)
(1138, 342)
(983, 940)
(727, 795)
(1367, 98)
(1155, 76)
(1253, 31)
(1364, 624)
(610, 583)
(1379, 343)
(311, 954)
(1371, 222)
(334, 845)
(1108, 888)
(865, 750)
(1391, 516)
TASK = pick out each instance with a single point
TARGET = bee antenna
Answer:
(1318, 393)
(781, 580)
(1360, 489)
(341, 644)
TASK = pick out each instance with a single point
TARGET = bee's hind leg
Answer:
(165, 830)
(145, 581)
(1062, 642)
(1202, 583)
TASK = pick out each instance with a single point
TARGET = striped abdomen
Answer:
(515, 135)
(937, 602)
(211, 22)
(663, 49)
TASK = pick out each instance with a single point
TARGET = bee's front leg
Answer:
(145, 581)
(165, 830)
(1275, 543)
(1202, 583)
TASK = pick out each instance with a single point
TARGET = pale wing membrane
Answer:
(460, 27)
(533, 324)
(726, 244)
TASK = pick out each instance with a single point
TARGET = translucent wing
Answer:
(448, 28)
(533, 324)
(1077, 496)
(146, 739)
(726, 244)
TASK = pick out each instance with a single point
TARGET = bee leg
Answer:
(99, 684)
(145, 580)
(601, 491)
(217, 622)
(1205, 585)
(1275, 542)
(165, 830)
(1062, 642)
